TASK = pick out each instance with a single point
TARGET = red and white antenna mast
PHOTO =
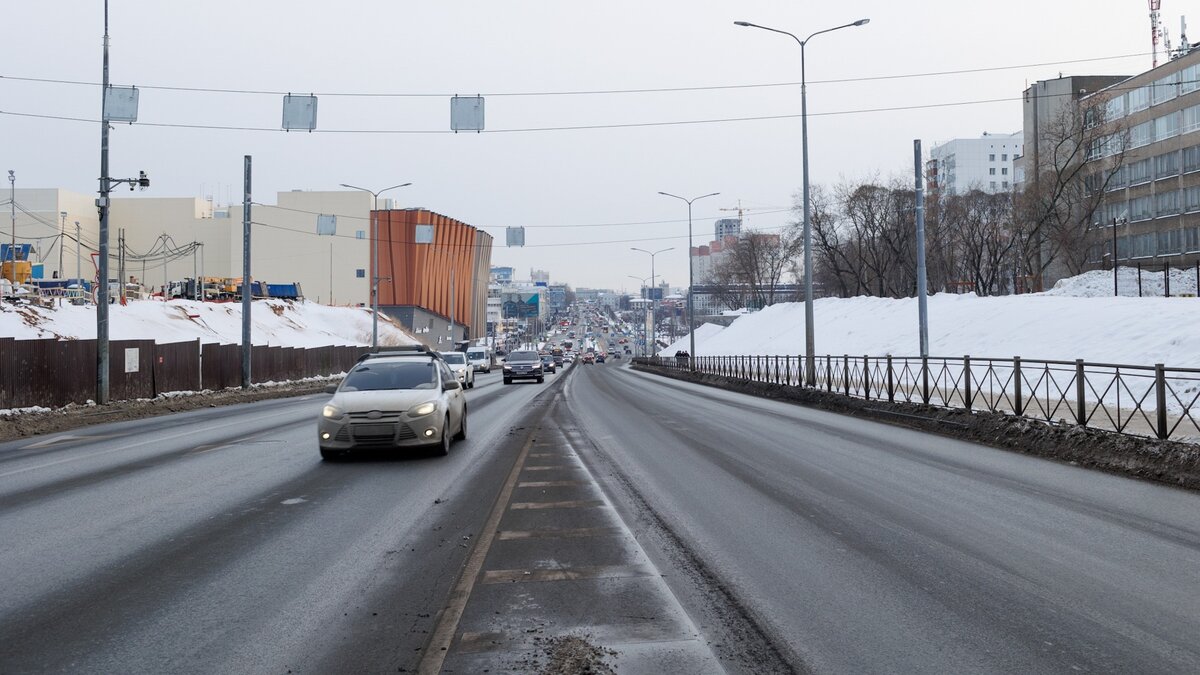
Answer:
(1154, 7)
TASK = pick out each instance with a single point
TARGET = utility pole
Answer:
(62, 241)
(246, 346)
(922, 305)
(102, 204)
(78, 257)
(12, 202)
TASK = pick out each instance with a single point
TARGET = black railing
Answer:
(1154, 401)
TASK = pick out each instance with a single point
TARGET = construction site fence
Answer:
(53, 373)
(1154, 401)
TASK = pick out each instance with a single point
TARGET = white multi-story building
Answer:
(964, 164)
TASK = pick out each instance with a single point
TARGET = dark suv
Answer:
(523, 365)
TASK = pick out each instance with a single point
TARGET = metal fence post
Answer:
(1017, 402)
(828, 372)
(891, 383)
(967, 380)
(1160, 394)
(846, 373)
(1080, 406)
(866, 377)
(925, 379)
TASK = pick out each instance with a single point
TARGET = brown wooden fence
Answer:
(53, 373)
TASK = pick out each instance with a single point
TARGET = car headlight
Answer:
(333, 412)
(422, 409)
(508, 367)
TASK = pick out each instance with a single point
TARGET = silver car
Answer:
(394, 400)
(461, 367)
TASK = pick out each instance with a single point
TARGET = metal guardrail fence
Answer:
(1154, 401)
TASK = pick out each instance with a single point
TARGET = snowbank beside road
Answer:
(1140, 331)
(280, 323)
(1099, 284)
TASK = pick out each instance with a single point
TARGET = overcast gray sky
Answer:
(572, 189)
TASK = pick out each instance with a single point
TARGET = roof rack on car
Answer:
(401, 350)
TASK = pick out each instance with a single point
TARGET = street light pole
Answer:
(810, 363)
(375, 263)
(643, 281)
(691, 278)
(651, 298)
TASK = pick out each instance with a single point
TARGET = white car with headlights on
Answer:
(392, 400)
(461, 367)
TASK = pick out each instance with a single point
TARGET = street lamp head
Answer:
(742, 23)
(862, 22)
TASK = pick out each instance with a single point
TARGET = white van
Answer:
(480, 359)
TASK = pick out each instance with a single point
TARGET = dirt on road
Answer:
(26, 424)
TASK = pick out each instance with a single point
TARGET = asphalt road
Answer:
(686, 528)
(217, 541)
(862, 547)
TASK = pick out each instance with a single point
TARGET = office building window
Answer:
(1166, 165)
(1170, 242)
(1191, 198)
(360, 234)
(1142, 134)
(1144, 245)
(1004, 158)
(1117, 181)
(993, 185)
(1122, 248)
(360, 273)
(992, 171)
(1115, 109)
(1191, 119)
(1141, 208)
(1191, 159)
(1189, 79)
(1166, 127)
(1004, 184)
(1166, 89)
(1004, 171)
(1166, 203)
(1139, 172)
(991, 158)
(1138, 99)
(1191, 240)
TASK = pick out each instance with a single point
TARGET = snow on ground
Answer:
(704, 332)
(1053, 325)
(1099, 283)
(279, 323)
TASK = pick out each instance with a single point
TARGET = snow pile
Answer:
(280, 323)
(704, 332)
(1139, 331)
(1099, 283)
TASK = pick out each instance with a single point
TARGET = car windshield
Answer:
(395, 375)
(477, 354)
(523, 356)
(454, 358)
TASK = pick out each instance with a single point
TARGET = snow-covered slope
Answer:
(1052, 325)
(273, 322)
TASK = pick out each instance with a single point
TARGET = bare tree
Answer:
(1079, 153)
(751, 268)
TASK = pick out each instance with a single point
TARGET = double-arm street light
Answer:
(643, 281)
(691, 278)
(375, 264)
(651, 291)
(810, 364)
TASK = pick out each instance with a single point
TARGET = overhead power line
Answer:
(591, 92)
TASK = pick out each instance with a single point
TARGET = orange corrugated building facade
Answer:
(416, 283)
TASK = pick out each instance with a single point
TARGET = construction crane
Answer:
(741, 212)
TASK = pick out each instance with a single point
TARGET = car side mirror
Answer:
(452, 384)
(331, 389)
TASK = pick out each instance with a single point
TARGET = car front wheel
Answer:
(443, 448)
(462, 428)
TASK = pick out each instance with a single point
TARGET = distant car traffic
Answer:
(394, 400)
(480, 358)
(588, 357)
(523, 365)
(461, 368)
(600, 357)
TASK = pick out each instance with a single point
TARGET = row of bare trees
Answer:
(864, 234)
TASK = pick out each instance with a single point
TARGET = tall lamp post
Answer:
(375, 248)
(691, 279)
(649, 351)
(643, 281)
(810, 363)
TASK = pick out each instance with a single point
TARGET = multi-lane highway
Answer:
(685, 528)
